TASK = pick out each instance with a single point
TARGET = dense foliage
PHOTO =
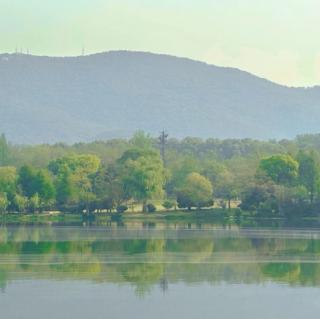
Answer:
(273, 177)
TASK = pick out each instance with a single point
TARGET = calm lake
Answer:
(160, 270)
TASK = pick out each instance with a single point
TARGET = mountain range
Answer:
(113, 94)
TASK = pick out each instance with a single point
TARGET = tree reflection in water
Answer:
(158, 256)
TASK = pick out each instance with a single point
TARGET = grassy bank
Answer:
(179, 215)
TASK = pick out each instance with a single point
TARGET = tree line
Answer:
(270, 178)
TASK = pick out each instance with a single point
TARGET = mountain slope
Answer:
(46, 99)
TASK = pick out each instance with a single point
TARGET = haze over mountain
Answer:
(113, 94)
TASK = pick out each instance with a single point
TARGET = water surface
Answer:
(157, 270)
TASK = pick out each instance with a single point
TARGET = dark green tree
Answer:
(309, 172)
(197, 192)
(142, 175)
(4, 150)
(282, 169)
(8, 181)
(74, 179)
(64, 188)
(37, 184)
(109, 188)
(44, 187)
(27, 180)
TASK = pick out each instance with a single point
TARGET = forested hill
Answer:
(46, 99)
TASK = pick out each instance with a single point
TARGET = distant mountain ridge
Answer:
(113, 94)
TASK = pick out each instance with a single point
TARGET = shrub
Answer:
(151, 208)
(168, 204)
(122, 208)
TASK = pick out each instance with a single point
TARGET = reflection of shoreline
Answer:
(66, 233)
(150, 275)
(153, 256)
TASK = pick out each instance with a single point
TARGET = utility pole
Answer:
(163, 138)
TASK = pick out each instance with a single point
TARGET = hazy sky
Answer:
(276, 39)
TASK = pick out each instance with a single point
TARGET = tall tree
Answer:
(8, 180)
(109, 188)
(309, 172)
(27, 180)
(74, 178)
(225, 187)
(37, 182)
(3, 202)
(141, 140)
(143, 175)
(4, 150)
(282, 169)
(44, 187)
(64, 188)
(197, 192)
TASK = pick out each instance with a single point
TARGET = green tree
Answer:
(20, 203)
(213, 170)
(282, 169)
(309, 173)
(142, 175)
(179, 170)
(44, 187)
(261, 197)
(4, 150)
(109, 188)
(79, 164)
(141, 140)
(37, 181)
(65, 188)
(8, 181)
(27, 180)
(34, 203)
(197, 192)
(225, 187)
(74, 179)
(3, 202)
